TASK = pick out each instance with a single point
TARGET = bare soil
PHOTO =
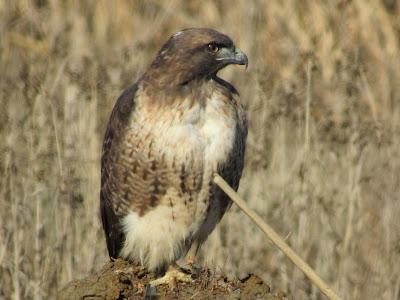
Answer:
(123, 280)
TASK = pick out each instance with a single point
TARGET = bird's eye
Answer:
(213, 48)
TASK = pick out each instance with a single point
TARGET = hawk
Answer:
(166, 137)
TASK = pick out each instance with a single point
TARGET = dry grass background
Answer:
(323, 164)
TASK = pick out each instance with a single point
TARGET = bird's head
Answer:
(195, 53)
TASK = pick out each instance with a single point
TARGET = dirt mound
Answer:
(123, 280)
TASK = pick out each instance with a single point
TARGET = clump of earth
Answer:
(120, 279)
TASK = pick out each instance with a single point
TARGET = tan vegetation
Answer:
(323, 164)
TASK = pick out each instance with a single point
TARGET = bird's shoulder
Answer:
(124, 107)
(118, 120)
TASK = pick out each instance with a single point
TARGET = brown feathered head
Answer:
(195, 53)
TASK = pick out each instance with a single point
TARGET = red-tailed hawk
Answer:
(167, 134)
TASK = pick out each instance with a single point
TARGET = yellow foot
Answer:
(171, 277)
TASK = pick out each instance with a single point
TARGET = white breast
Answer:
(201, 137)
(218, 131)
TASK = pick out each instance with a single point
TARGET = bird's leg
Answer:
(172, 276)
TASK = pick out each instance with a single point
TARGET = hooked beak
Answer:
(233, 56)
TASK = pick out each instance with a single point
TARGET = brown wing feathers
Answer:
(118, 120)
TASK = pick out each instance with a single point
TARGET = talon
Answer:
(173, 285)
(171, 277)
(194, 276)
(150, 291)
(175, 291)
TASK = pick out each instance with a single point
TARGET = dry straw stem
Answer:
(275, 238)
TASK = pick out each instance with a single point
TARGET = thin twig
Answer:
(276, 239)
(308, 101)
